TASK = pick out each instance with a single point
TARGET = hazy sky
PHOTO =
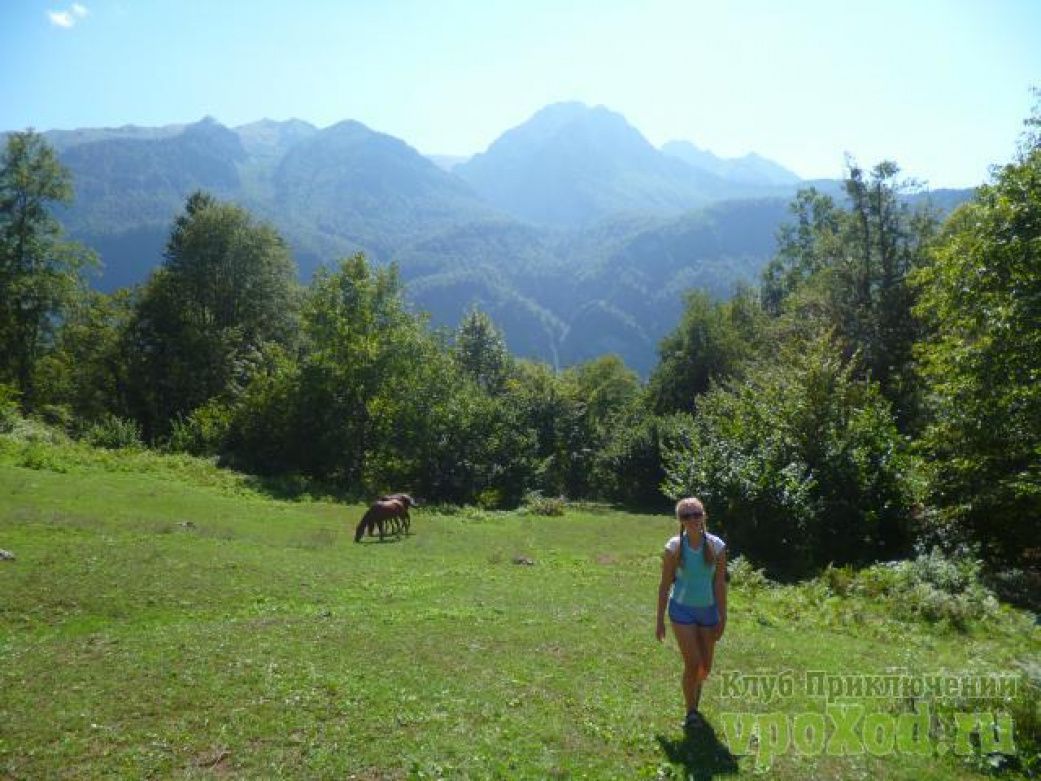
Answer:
(940, 86)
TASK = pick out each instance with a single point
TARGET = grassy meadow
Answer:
(163, 618)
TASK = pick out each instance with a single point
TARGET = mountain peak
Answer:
(217, 139)
(572, 163)
(348, 126)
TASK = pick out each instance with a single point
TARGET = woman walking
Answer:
(693, 583)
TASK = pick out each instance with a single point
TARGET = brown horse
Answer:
(377, 517)
(406, 502)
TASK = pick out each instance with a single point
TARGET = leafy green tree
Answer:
(846, 271)
(549, 406)
(609, 388)
(981, 299)
(713, 340)
(360, 348)
(377, 403)
(805, 248)
(629, 464)
(263, 432)
(225, 293)
(800, 464)
(87, 369)
(40, 274)
(480, 351)
(467, 446)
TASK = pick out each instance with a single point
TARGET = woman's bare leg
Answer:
(686, 638)
(705, 642)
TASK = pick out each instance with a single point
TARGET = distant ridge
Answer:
(571, 230)
(749, 169)
(65, 139)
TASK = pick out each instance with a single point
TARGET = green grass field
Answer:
(165, 619)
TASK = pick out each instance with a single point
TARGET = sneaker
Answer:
(693, 719)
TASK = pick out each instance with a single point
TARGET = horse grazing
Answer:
(406, 502)
(377, 517)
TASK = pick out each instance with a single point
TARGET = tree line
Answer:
(877, 390)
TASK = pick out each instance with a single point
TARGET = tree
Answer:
(628, 463)
(799, 462)
(610, 389)
(548, 406)
(712, 341)
(845, 271)
(360, 345)
(225, 292)
(805, 247)
(40, 274)
(981, 300)
(87, 369)
(480, 351)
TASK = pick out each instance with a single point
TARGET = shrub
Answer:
(39, 456)
(489, 499)
(930, 587)
(203, 432)
(114, 433)
(744, 574)
(1018, 586)
(9, 415)
(838, 579)
(628, 466)
(58, 416)
(537, 504)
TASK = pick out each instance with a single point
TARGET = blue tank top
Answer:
(693, 585)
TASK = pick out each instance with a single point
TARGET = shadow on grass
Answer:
(390, 538)
(702, 754)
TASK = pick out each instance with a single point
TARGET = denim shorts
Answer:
(699, 616)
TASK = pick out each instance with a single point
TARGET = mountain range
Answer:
(575, 233)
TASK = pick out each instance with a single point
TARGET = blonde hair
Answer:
(707, 552)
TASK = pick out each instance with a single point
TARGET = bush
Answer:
(114, 433)
(839, 580)
(35, 430)
(930, 587)
(489, 499)
(39, 456)
(537, 504)
(743, 574)
(9, 415)
(58, 416)
(203, 432)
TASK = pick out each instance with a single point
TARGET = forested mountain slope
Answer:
(571, 230)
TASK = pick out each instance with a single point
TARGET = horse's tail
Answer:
(362, 524)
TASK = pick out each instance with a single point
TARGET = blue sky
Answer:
(941, 87)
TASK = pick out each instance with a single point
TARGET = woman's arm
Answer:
(668, 575)
(719, 588)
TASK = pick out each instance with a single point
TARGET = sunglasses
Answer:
(692, 514)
